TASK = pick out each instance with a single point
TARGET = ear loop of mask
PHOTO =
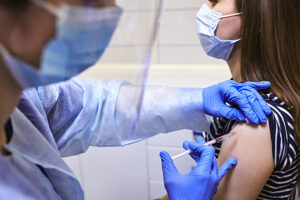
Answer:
(12, 66)
(230, 15)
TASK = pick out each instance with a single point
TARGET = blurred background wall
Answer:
(134, 172)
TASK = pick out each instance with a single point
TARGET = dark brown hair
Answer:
(270, 48)
(14, 5)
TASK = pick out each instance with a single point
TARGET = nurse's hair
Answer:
(270, 48)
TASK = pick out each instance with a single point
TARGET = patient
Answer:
(269, 49)
(260, 40)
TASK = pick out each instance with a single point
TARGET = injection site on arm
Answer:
(252, 148)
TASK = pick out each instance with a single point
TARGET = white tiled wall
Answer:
(134, 172)
(116, 173)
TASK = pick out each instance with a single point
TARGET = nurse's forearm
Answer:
(164, 110)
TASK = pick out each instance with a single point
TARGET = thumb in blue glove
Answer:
(201, 182)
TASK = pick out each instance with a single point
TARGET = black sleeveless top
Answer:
(286, 156)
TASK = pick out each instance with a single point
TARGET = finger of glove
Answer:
(194, 155)
(264, 105)
(214, 167)
(200, 140)
(193, 146)
(168, 165)
(256, 106)
(267, 110)
(225, 167)
(259, 85)
(204, 163)
(186, 145)
(235, 97)
(190, 145)
(231, 113)
(214, 174)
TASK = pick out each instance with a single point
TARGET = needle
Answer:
(211, 142)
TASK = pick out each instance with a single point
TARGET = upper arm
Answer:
(252, 147)
(82, 113)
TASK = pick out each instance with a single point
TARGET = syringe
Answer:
(211, 142)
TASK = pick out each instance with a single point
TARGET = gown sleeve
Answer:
(96, 113)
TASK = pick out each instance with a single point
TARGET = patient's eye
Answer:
(213, 1)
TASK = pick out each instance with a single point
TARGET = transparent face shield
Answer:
(112, 37)
(128, 56)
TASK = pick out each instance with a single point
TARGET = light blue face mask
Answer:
(207, 22)
(82, 35)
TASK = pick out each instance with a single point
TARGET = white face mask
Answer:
(207, 22)
(83, 33)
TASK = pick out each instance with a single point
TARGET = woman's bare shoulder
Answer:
(252, 147)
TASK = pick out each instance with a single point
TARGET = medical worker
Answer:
(45, 42)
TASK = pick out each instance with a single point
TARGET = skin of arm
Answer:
(252, 147)
(2, 139)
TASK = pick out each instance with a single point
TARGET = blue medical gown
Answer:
(65, 119)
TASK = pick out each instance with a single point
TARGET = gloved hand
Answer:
(244, 95)
(202, 182)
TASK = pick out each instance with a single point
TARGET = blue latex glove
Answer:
(202, 182)
(244, 95)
